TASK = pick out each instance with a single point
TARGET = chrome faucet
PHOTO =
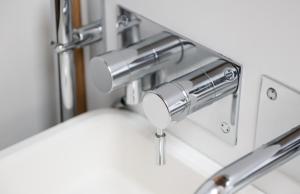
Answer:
(127, 68)
(170, 75)
(250, 167)
(186, 77)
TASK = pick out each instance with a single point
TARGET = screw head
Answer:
(229, 75)
(225, 127)
(123, 20)
(272, 94)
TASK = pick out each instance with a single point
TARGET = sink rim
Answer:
(55, 130)
(180, 151)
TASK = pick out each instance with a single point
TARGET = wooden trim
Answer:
(79, 62)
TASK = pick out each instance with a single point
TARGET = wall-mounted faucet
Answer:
(250, 167)
(187, 77)
(171, 101)
(170, 75)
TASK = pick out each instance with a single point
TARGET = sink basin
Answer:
(103, 152)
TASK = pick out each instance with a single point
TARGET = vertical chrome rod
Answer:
(62, 22)
(129, 37)
(161, 144)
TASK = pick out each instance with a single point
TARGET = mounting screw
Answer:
(272, 94)
(230, 75)
(225, 127)
(123, 20)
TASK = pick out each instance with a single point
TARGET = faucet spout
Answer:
(160, 136)
(245, 170)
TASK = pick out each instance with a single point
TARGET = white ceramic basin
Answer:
(102, 152)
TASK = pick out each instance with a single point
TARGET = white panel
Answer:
(278, 116)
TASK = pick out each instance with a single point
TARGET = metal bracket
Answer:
(92, 33)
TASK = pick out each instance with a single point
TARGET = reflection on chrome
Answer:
(254, 165)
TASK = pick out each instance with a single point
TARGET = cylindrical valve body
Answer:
(175, 100)
(114, 69)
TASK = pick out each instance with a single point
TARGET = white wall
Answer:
(27, 84)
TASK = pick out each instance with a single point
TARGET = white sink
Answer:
(102, 152)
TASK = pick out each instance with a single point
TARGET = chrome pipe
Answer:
(134, 92)
(250, 167)
(160, 137)
(63, 35)
(65, 39)
(130, 36)
(83, 36)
